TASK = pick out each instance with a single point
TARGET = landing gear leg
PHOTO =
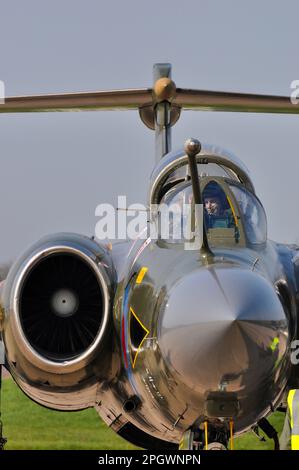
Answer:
(208, 437)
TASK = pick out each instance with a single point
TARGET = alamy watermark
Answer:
(182, 222)
(295, 352)
(2, 92)
(295, 93)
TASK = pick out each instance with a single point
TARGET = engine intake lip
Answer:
(47, 362)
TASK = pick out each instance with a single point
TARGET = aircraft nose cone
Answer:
(223, 329)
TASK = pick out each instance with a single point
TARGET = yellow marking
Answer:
(290, 405)
(295, 442)
(233, 211)
(140, 345)
(141, 275)
(274, 344)
(206, 434)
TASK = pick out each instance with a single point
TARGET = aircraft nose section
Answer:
(223, 329)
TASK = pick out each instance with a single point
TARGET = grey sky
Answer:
(56, 168)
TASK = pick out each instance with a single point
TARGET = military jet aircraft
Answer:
(174, 348)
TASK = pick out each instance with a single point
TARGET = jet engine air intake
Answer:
(57, 330)
(61, 306)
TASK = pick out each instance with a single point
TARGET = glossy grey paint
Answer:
(212, 327)
(216, 331)
(169, 381)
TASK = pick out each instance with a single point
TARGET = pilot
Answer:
(212, 205)
(218, 214)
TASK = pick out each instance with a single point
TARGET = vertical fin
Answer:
(162, 115)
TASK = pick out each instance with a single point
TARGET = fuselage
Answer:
(161, 333)
(206, 336)
(203, 339)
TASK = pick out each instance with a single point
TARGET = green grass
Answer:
(29, 426)
(249, 441)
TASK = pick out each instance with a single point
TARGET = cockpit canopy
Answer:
(212, 161)
(233, 215)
